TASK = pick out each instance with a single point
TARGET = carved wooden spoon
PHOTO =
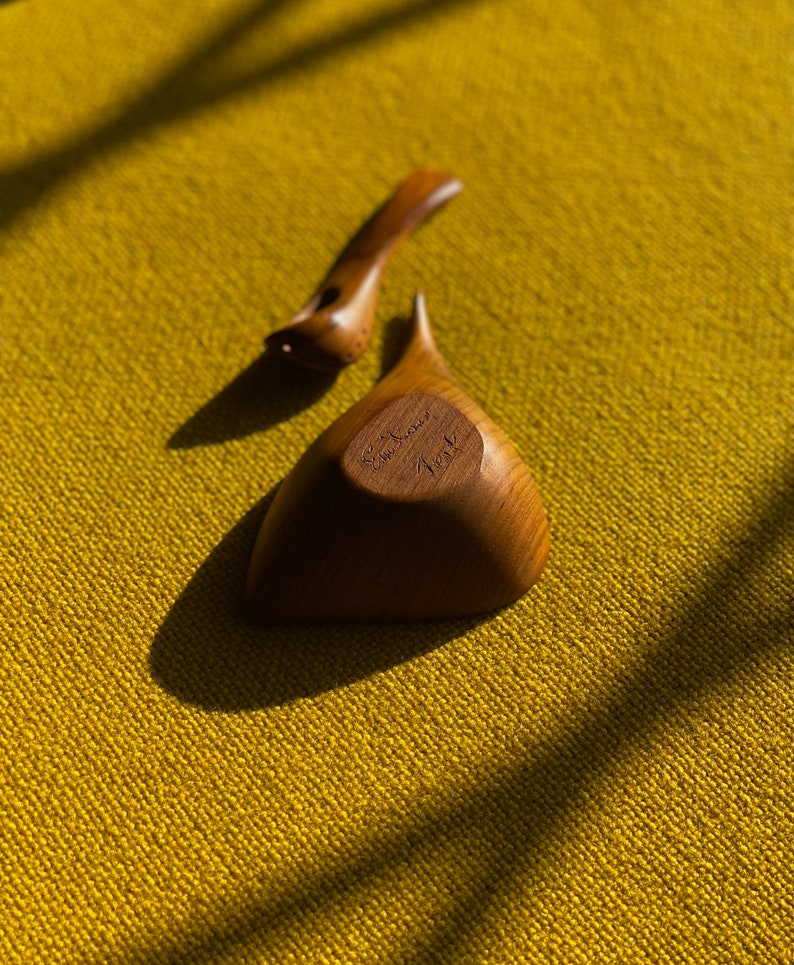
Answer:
(411, 506)
(335, 327)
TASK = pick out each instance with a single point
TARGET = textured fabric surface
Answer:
(602, 772)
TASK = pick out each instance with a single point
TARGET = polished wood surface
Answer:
(412, 506)
(335, 327)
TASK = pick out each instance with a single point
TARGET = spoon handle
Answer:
(334, 327)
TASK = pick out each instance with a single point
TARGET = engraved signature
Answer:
(377, 458)
(441, 460)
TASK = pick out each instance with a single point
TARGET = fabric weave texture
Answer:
(601, 772)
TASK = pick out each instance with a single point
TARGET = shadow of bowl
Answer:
(208, 656)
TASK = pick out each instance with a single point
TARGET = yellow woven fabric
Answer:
(602, 772)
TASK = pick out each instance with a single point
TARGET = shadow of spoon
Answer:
(265, 393)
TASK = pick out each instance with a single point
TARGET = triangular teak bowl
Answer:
(412, 506)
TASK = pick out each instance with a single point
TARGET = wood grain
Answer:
(335, 326)
(412, 506)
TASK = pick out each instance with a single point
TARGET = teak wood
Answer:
(335, 327)
(411, 506)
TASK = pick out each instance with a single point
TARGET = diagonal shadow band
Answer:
(184, 90)
(705, 647)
